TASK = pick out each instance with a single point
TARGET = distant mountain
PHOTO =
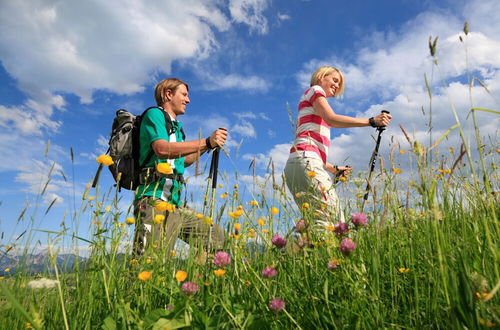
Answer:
(38, 263)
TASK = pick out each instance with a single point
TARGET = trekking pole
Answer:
(214, 167)
(373, 159)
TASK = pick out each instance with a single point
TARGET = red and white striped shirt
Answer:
(312, 136)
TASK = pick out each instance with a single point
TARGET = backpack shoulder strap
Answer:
(168, 126)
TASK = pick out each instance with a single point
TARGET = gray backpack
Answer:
(124, 148)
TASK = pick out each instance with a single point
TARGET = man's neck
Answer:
(168, 110)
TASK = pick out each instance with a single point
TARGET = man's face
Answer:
(179, 100)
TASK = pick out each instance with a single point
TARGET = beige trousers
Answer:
(317, 189)
(181, 224)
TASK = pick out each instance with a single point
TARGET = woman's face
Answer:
(330, 83)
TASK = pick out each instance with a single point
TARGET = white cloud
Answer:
(245, 129)
(250, 12)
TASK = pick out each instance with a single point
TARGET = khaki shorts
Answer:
(181, 224)
(318, 191)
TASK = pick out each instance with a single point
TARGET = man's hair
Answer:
(167, 84)
(325, 71)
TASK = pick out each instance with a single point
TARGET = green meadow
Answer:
(427, 256)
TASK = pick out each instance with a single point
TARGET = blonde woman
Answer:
(307, 170)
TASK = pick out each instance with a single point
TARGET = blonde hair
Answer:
(167, 84)
(326, 71)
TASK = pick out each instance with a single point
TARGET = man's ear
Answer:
(168, 95)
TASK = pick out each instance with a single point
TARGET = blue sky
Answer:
(66, 66)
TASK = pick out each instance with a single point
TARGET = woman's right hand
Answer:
(382, 119)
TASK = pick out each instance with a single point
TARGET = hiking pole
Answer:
(373, 159)
(214, 167)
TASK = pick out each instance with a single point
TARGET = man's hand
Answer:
(218, 137)
(382, 120)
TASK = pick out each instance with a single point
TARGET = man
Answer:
(158, 223)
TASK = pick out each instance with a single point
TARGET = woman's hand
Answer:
(338, 170)
(382, 119)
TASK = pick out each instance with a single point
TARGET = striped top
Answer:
(312, 136)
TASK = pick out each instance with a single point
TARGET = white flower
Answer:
(42, 283)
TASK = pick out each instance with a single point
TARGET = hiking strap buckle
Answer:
(149, 175)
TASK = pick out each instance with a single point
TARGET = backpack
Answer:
(124, 148)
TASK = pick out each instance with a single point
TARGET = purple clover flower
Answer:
(222, 259)
(276, 304)
(278, 241)
(359, 219)
(341, 228)
(347, 246)
(269, 272)
(301, 226)
(333, 264)
(189, 288)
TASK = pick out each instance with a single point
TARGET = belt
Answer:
(150, 175)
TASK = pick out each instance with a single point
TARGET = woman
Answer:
(307, 170)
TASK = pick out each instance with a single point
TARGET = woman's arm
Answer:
(323, 109)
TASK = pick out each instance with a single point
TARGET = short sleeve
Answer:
(315, 92)
(153, 126)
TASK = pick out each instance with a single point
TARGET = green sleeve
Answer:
(152, 129)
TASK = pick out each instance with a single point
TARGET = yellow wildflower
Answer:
(108, 208)
(181, 276)
(158, 219)
(239, 207)
(305, 206)
(404, 270)
(397, 170)
(219, 272)
(237, 226)
(209, 221)
(298, 195)
(254, 203)
(236, 236)
(164, 168)
(248, 283)
(311, 174)
(261, 222)
(199, 216)
(206, 283)
(236, 186)
(448, 171)
(482, 296)
(220, 186)
(488, 324)
(224, 195)
(251, 234)
(343, 178)
(91, 198)
(274, 210)
(105, 160)
(134, 262)
(7, 270)
(130, 221)
(265, 230)
(144, 276)
(451, 150)
(162, 206)
(148, 260)
(402, 151)
(330, 227)
(173, 253)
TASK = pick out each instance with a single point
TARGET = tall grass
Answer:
(427, 259)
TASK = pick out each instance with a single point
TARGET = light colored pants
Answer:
(317, 190)
(181, 224)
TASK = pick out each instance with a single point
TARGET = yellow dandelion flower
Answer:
(298, 195)
(181, 276)
(488, 324)
(239, 207)
(237, 226)
(317, 214)
(162, 206)
(105, 160)
(305, 206)
(164, 168)
(251, 234)
(173, 253)
(144, 276)
(265, 230)
(261, 222)
(7, 270)
(343, 178)
(91, 198)
(239, 213)
(130, 221)
(155, 246)
(158, 219)
(206, 283)
(220, 186)
(274, 210)
(236, 236)
(199, 216)
(397, 170)
(402, 151)
(330, 227)
(451, 150)
(447, 171)
(404, 270)
(236, 186)
(209, 221)
(219, 272)
(498, 151)
(311, 174)
(148, 260)
(108, 208)
(323, 206)
(224, 195)
(254, 203)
